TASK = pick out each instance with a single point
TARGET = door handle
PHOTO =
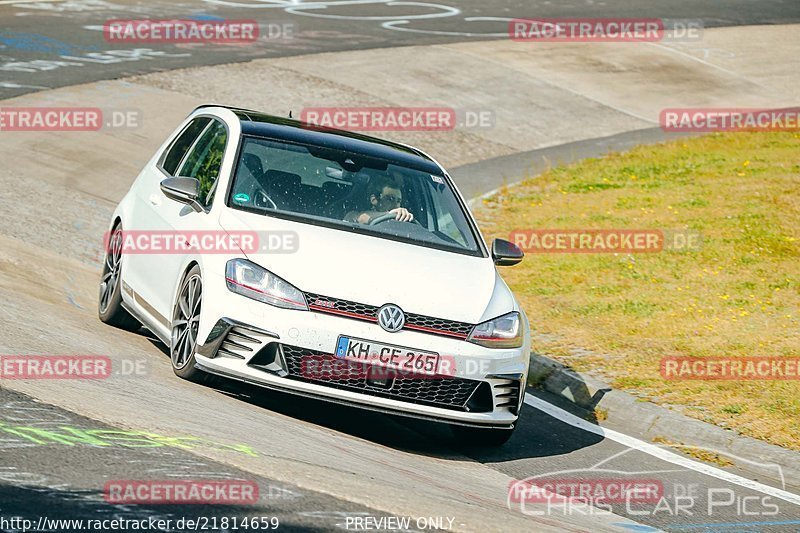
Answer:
(155, 199)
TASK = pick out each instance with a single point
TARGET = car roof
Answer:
(261, 124)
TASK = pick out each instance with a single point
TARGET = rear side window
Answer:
(181, 145)
(205, 159)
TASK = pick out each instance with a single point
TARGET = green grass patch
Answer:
(738, 296)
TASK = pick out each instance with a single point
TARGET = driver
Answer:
(386, 197)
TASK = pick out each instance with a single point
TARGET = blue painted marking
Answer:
(635, 527)
(734, 524)
(34, 42)
(203, 16)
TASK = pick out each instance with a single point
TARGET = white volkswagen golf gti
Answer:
(382, 295)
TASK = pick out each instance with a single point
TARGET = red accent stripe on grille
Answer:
(436, 331)
(328, 310)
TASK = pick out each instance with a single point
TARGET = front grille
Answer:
(337, 306)
(438, 325)
(437, 391)
(369, 313)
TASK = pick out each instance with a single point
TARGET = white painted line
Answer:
(707, 63)
(655, 451)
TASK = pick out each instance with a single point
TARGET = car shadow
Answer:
(155, 341)
(537, 434)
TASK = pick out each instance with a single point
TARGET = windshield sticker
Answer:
(241, 198)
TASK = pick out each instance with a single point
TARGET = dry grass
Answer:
(619, 315)
(701, 454)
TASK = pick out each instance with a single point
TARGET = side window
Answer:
(205, 159)
(443, 206)
(182, 143)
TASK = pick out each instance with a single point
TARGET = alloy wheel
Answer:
(111, 269)
(186, 321)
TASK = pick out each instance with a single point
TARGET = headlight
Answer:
(501, 332)
(249, 279)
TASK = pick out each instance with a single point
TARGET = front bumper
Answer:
(267, 346)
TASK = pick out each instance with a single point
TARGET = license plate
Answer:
(404, 360)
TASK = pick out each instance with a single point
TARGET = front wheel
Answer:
(185, 324)
(484, 437)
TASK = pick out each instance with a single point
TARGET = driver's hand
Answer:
(402, 214)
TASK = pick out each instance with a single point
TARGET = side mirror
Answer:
(506, 253)
(183, 190)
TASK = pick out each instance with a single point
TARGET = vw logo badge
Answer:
(391, 318)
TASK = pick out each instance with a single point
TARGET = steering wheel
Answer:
(388, 216)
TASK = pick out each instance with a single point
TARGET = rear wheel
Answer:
(185, 324)
(485, 437)
(109, 306)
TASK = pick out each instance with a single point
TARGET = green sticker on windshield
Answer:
(241, 198)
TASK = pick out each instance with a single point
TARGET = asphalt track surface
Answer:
(55, 43)
(316, 464)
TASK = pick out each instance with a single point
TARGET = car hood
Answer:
(376, 271)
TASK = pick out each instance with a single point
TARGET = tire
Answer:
(485, 438)
(109, 304)
(185, 322)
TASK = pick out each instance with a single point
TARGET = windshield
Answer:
(330, 187)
